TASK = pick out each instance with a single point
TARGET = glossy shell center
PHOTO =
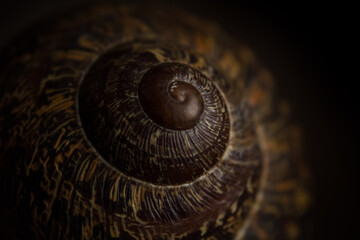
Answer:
(171, 103)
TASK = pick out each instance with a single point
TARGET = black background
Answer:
(310, 49)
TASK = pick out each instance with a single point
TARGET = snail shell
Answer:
(120, 122)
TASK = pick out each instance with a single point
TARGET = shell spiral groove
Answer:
(138, 126)
(122, 123)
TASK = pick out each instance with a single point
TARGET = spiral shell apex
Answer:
(152, 117)
(122, 123)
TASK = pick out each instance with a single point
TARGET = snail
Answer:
(123, 122)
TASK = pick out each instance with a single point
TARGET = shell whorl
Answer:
(88, 151)
(152, 117)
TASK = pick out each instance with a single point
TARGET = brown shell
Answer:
(73, 165)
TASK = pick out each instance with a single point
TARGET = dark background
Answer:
(310, 49)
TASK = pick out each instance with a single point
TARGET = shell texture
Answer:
(90, 148)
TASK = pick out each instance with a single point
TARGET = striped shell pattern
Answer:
(91, 148)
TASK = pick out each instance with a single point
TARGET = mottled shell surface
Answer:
(89, 148)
